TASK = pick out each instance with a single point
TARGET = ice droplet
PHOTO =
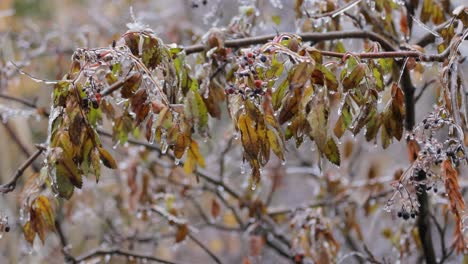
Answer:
(253, 187)
(243, 168)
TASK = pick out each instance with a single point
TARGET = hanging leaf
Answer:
(355, 77)
(131, 85)
(344, 120)
(249, 136)
(318, 119)
(215, 208)
(193, 158)
(182, 232)
(41, 219)
(324, 77)
(107, 158)
(332, 152)
(29, 232)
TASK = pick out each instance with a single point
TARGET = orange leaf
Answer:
(215, 208)
(182, 232)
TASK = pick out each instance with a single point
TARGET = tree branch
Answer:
(310, 36)
(10, 186)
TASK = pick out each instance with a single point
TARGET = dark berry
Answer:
(406, 215)
(7, 229)
(413, 215)
(263, 58)
(85, 102)
(230, 90)
(420, 175)
(204, 2)
(95, 103)
(435, 190)
(400, 214)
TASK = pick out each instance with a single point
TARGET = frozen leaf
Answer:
(344, 120)
(332, 152)
(249, 136)
(426, 10)
(323, 76)
(194, 157)
(107, 158)
(278, 94)
(276, 144)
(182, 232)
(63, 185)
(29, 232)
(131, 85)
(140, 105)
(300, 74)
(355, 77)
(42, 217)
(318, 119)
(290, 106)
(181, 144)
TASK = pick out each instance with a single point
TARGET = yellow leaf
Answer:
(29, 233)
(249, 136)
(193, 157)
(107, 158)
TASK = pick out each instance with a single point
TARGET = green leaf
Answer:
(276, 19)
(278, 94)
(344, 120)
(62, 184)
(331, 152)
(355, 77)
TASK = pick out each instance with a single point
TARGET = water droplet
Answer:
(116, 144)
(253, 187)
(243, 168)
(283, 162)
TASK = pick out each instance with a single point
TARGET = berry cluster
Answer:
(438, 138)
(248, 82)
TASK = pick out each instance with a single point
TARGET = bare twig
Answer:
(205, 248)
(128, 254)
(10, 186)
(423, 88)
(338, 11)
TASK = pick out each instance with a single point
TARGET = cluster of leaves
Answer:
(139, 83)
(40, 219)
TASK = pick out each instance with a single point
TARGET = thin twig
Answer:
(10, 186)
(338, 11)
(205, 248)
(128, 254)
(423, 88)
